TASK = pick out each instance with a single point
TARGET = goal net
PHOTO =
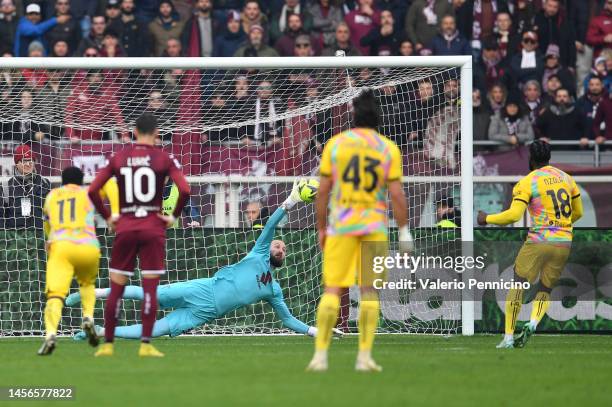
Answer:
(243, 130)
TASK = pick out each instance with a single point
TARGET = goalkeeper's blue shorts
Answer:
(193, 302)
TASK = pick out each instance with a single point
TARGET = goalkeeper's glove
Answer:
(337, 333)
(293, 198)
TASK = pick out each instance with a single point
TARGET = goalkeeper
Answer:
(197, 302)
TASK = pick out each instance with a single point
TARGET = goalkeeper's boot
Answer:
(73, 300)
(521, 339)
(148, 350)
(367, 364)
(506, 343)
(90, 331)
(318, 362)
(48, 346)
(106, 349)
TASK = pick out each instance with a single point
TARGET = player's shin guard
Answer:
(53, 314)
(111, 311)
(327, 314)
(369, 309)
(88, 299)
(540, 306)
(149, 307)
(514, 302)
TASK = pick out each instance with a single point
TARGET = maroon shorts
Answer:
(149, 247)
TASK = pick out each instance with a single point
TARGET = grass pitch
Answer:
(269, 371)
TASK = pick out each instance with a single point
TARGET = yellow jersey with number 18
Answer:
(361, 163)
(69, 216)
(548, 193)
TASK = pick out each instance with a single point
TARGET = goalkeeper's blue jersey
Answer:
(251, 280)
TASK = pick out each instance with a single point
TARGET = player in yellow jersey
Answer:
(553, 200)
(359, 167)
(73, 250)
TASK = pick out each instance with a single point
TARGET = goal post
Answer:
(237, 153)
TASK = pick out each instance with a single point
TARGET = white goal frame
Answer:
(462, 63)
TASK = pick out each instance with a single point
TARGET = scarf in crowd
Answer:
(533, 109)
(194, 48)
(512, 123)
(430, 14)
(450, 38)
(282, 23)
(491, 67)
(480, 19)
(259, 126)
(528, 60)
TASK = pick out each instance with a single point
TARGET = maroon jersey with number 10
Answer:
(141, 171)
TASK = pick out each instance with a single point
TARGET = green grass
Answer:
(269, 371)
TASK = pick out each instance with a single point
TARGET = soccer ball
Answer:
(307, 188)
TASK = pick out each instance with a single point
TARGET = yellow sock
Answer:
(88, 299)
(368, 321)
(53, 314)
(327, 315)
(514, 301)
(540, 305)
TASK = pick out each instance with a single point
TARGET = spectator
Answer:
(524, 15)
(303, 47)
(286, 42)
(201, 29)
(587, 105)
(174, 48)
(264, 131)
(240, 103)
(599, 70)
(361, 21)
(280, 23)
(579, 13)
(23, 195)
(482, 116)
(325, 17)
(216, 108)
(8, 25)
(161, 109)
(553, 67)
(602, 123)
(255, 46)
(442, 131)
(510, 125)
(449, 41)
(528, 64)
(476, 20)
(342, 43)
(406, 48)
(423, 20)
(252, 15)
(90, 52)
(21, 127)
(599, 34)
(92, 105)
(81, 11)
(60, 49)
(561, 120)
(227, 43)
(383, 40)
(133, 33)
(50, 101)
(506, 36)
(554, 28)
(490, 69)
(421, 110)
(497, 96)
(394, 124)
(35, 77)
(95, 37)
(147, 10)
(31, 28)
(255, 215)
(110, 45)
(165, 26)
(552, 84)
(69, 31)
(112, 11)
(532, 99)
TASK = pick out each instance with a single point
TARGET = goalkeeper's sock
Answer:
(53, 314)
(540, 306)
(111, 311)
(514, 302)
(149, 307)
(368, 321)
(327, 314)
(88, 300)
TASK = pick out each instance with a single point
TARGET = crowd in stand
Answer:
(542, 68)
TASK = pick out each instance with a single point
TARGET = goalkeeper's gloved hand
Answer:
(293, 198)
(337, 333)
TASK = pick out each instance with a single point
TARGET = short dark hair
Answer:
(539, 152)
(146, 124)
(72, 175)
(366, 110)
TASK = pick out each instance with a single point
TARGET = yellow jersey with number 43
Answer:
(548, 193)
(361, 163)
(69, 216)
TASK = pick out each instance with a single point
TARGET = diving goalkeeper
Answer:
(200, 301)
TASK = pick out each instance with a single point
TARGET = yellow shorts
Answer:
(66, 260)
(344, 255)
(544, 259)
